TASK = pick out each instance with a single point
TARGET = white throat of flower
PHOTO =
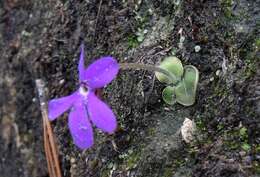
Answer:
(83, 91)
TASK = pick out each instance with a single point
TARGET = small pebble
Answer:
(242, 153)
(187, 130)
(72, 160)
(197, 48)
(218, 72)
(61, 81)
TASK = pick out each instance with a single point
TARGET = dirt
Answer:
(41, 39)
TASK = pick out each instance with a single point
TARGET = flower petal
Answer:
(80, 127)
(81, 66)
(56, 107)
(100, 114)
(101, 72)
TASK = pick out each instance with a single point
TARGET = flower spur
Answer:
(85, 107)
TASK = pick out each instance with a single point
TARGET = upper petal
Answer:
(56, 107)
(100, 114)
(101, 72)
(81, 67)
(80, 127)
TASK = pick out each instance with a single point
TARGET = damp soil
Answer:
(41, 39)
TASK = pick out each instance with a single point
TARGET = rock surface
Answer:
(40, 39)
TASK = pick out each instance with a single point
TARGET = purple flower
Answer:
(85, 107)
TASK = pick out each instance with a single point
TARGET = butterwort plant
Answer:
(85, 107)
(181, 81)
(181, 88)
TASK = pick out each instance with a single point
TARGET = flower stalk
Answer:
(148, 67)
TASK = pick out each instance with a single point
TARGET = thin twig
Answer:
(50, 147)
(99, 8)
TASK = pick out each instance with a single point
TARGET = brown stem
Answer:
(148, 67)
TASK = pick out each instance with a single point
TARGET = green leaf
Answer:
(243, 131)
(246, 146)
(185, 91)
(168, 95)
(174, 66)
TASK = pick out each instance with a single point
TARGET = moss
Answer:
(233, 139)
(250, 53)
(237, 139)
(141, 21)
(167, 172)
(93, 163)
(257, 43)
(256, 164)
(108, 168)
(256, 167)
(105, 172)
(227, 7)
(257, 149)
(151, 131)
(132, 159)
(179, 162)
(220, 90)
(132, 41)
(200, 124)
(246, 147)
(220, 126)
(251, 67)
